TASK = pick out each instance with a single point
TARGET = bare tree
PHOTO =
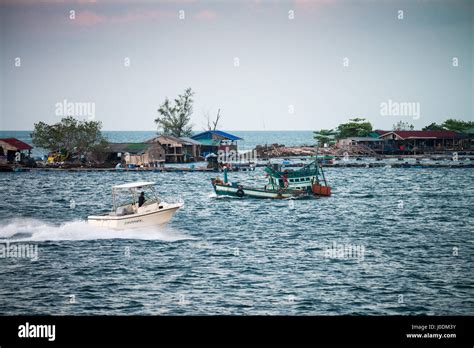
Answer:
(212, 125)
(402, 126)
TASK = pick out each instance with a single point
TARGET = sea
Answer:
(389, 241)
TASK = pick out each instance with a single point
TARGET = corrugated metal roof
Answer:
(20, 145)
(129, 147)
(469, 131)
(216, 132)
(166, 139)
(190, 141)
(363, 139)
(425, 134)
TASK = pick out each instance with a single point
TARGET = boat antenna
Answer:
(317, 152)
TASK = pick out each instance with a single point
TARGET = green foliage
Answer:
(402, 126)
(451, 124)
(325, 136)
(99, 151)
(457, 125)
(70, 137)
(174, 119)
(356, 127)
(433, 126)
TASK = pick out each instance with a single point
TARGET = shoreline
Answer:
(367, 165)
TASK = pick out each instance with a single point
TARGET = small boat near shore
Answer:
(144, 212)
(309, 181)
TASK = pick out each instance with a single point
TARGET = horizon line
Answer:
(145, 130)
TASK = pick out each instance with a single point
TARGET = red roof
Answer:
(425, 134)
(20, 145)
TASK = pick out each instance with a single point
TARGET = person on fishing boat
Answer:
(285, 181)
(141, 199)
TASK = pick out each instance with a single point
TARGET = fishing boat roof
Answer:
(134, 185)
(310, 169)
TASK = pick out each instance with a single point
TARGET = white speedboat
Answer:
(151, 212)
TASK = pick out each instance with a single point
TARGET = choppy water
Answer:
(228, 256)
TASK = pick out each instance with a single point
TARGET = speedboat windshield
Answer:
(129, 194)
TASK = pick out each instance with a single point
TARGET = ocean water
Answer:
(410, 232)
(250, 138)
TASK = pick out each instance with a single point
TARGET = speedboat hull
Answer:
(142, 219)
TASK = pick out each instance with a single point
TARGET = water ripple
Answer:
(231, 256)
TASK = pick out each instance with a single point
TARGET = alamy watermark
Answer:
(76, 109)
(234, 156)
(345, 251)
(393, 108)
(19, 250)
(28, 330)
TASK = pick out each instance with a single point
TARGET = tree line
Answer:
(71, 139)
(74, 140)
(360, 127)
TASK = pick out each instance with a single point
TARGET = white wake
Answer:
(38, 230)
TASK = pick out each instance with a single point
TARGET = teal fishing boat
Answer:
(308, 181)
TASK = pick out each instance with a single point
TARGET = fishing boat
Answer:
(308, 181)
(135, 212)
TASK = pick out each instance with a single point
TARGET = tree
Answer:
(212, 125)
(357, 127)
(325, 136)
(457, 125)
(433, 126)
(174, 119)
(402, 126)
(99, 151)
(70, 137)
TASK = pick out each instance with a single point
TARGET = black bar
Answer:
(330, 330)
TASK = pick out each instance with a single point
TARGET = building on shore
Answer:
(192, 149)
(178, 150)
(468, 139)
(410, 142)
(368, 146)
(214, 140)
(418, 141)
(13, 150)
(376, 133)
(370, 142)
(136, 154)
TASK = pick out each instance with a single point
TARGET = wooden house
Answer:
(14, 150)
(178, 150)
(138, 154)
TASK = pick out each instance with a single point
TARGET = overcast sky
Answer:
(268, 65)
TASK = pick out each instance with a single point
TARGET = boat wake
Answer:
(212, 195)
(20, 230)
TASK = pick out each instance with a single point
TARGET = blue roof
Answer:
(216, 132)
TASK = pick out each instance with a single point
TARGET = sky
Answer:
(267, 65)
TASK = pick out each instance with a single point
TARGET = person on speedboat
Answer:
(141, 199)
